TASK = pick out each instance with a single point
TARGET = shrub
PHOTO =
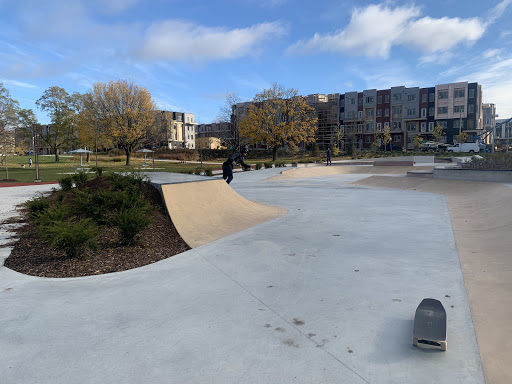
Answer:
(491, 162)
(258, 166)
(71, 236)
(197, 171)
(208, 172)
(117, 159)
(267, 165)
(131, 222)
(98, 170)
(52, 215)
(351, 150)
(315, 152)
(37, 206)
(66, 183)
(80, 178)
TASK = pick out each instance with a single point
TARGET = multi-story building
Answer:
(175, 129)
(405, 112)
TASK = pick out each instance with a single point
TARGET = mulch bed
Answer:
(32, 255)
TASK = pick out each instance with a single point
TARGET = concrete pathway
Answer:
(324, 294)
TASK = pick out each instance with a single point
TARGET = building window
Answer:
(386, 98)
(379, 99)
(379, 127)
(442, 110)
(397, 138)
(411, 97)
(411, 127)
(423, 127)
(423, 112)
(369, 99)
(431, 111)
(397, 125)
(369, 113)
(424, 98)
(471, 93)
(431, 97)
(352, 100)
(411, 112)
(397, 110)
(397, 96)
(443, 123)
(471, 108)
(379, 112)
(360, 114)
(442, 95)
(386, 124)
(386, 112)
(458, 93)
(360, 100)
(368, 139)
(458, 108)
(458, 124)
(431, 126)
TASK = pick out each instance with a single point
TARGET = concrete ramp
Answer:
(209, 210)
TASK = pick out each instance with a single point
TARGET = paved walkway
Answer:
(324, 294)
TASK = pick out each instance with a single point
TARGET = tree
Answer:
(386, 136)
(462, 137)
(278, 116)
(123, 110)
(375, 143)
(8, 120)
(417, 142)
(62, 108)
(227, 113)
(24, 130)
(438, 132)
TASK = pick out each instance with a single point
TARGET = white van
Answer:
(464, 147)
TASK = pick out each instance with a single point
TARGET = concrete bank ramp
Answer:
(481, 218)
(296, 173)
(205, 211)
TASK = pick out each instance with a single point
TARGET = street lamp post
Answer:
(36, 159)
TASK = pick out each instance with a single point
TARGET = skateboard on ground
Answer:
(430, 325)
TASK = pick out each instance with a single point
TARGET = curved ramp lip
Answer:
(206, 211)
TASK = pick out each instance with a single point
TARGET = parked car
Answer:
(430, 146)
(464, 147)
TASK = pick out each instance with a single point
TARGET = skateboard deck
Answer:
(430, 325)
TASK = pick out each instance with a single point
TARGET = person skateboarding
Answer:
(232, 161)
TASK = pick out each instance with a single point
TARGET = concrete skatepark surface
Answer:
(324, 294)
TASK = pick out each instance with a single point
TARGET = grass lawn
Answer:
(50, 170)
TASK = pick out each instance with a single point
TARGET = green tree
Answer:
(417, 142)
(386, 136)
(8, 120)
(123, 110)
(278, 116)
(438, 132)
(24, 130)
(462, 137)
(63, 110)
(375, 143)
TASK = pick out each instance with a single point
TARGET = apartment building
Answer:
(175, 129)
(412, 111)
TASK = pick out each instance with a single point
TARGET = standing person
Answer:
(30, 162)
(328, 162)
(232, 160)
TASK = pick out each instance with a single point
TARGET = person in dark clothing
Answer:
(328, 162)
(231, 162)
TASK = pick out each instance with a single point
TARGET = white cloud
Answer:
(491, 53)
(374, 30)
(18, 84)
(436, 58)
(182, 41)
(494, 76)
(497, 11)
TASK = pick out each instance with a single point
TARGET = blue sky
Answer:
(189, 54)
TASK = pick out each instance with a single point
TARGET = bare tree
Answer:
(228, 114)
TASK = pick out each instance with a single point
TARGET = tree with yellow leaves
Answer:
(120, 110)
(277, 117)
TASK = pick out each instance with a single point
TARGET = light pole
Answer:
(36, 161)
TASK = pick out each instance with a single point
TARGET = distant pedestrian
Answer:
(30, 162)
(328, 162)
(231, 162)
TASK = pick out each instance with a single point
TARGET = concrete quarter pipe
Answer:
(205, 211)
